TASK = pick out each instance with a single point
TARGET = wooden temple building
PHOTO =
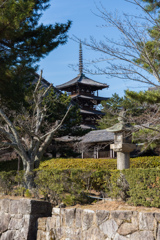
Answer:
(84, 91)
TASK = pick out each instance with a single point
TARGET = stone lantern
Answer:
(122, 142)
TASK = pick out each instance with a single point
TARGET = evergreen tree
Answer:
(152, 46)
(23, 42)
(152, 5)
(113, 106)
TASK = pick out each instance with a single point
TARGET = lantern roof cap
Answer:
(122, 125)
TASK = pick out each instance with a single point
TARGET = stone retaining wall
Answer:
(27, 219)
(78, 224)
(18, 218)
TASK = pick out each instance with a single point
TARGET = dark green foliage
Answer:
(139, 187)
(57, 107)
(152, 46)
(10, 180)
(152, 5)
(113, 106)
(23, 42)
(99, 180)
(136, 186)
(49, 184)
(150, 97)
(7, 182)
(143, 186)
(57, 185)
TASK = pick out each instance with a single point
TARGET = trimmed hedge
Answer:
(98, 164)
(87, 163)
(78, 163)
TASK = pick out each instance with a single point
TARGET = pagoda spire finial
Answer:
(80, 59)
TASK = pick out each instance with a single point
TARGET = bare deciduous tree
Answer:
(128, 56)
(29, 133)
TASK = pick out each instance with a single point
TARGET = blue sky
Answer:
(84, 24)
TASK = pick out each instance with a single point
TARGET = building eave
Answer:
(82, 80)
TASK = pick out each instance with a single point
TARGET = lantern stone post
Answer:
(122, 142)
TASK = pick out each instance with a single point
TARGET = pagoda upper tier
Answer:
(79, 82)
(84, 91)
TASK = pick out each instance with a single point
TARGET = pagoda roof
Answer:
(89, 97)
(82, 79)
(96, 136)
(91, 112)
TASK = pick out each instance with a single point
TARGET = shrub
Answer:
(49, 185)
(28, 193)
(137, 186)
(11, 182)
(144, 187)
(7, 182)
(66, 185)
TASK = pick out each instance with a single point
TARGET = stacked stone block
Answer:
(78, 224)
(27, 219)
(18, 218)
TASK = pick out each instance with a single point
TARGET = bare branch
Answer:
(59, 125)
(120, 55)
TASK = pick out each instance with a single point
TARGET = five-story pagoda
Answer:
(84, 91)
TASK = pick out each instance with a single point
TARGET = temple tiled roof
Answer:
(157, 88)
(82, 79)
(98, 136)
(95, 136)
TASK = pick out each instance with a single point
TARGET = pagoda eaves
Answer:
(92, 112)
(82, 80)
(89, 97)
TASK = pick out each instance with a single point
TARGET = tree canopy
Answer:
(134, 54)
(113, 106)
(152, 4)
(23, 42)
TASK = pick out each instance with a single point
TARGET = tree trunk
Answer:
(29, 176)
(36, 162)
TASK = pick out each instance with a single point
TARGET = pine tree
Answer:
(113, 106)
(23, 42)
